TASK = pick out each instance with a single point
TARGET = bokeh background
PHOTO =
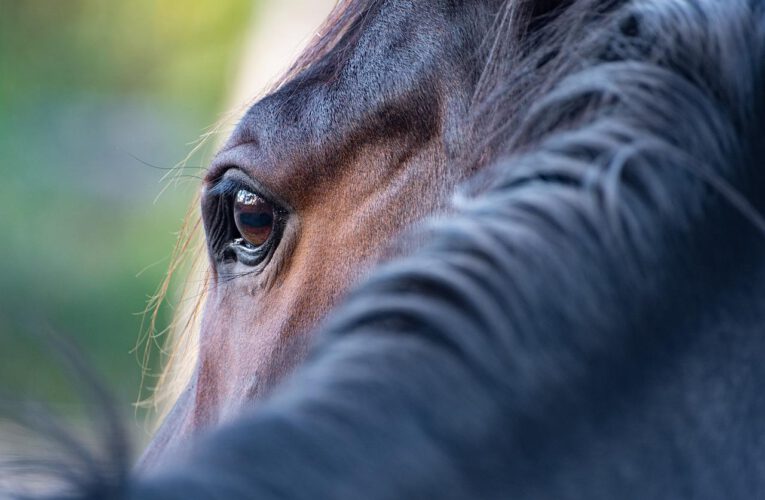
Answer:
(98, 100)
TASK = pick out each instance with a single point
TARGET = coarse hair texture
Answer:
(560, 335)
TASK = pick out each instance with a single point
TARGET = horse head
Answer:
(588, 325)
(363, 138)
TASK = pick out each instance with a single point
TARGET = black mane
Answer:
(586, 323)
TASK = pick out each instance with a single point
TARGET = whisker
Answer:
(157, 167)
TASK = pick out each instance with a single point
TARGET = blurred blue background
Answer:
(91, 91)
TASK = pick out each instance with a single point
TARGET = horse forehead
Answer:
(383, 88)
(386, 60)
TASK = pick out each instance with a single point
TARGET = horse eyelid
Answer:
(224, 187)
(233, 180)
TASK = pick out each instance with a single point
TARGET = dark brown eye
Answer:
(254, 217)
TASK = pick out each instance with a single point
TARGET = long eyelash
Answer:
(220, 226)
(220, 195)
(222, 192)
(227, 186)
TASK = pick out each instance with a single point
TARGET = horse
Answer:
(580, 315)
(350, 149)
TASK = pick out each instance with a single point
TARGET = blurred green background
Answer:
(89, 91)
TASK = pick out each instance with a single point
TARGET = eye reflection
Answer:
(254, 217)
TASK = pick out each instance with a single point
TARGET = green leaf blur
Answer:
(86, 87)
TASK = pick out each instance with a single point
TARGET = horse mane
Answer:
(619, 138)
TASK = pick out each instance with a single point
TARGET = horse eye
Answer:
(254, 217)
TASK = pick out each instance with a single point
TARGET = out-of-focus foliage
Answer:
(175, 50)
(86, 86)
